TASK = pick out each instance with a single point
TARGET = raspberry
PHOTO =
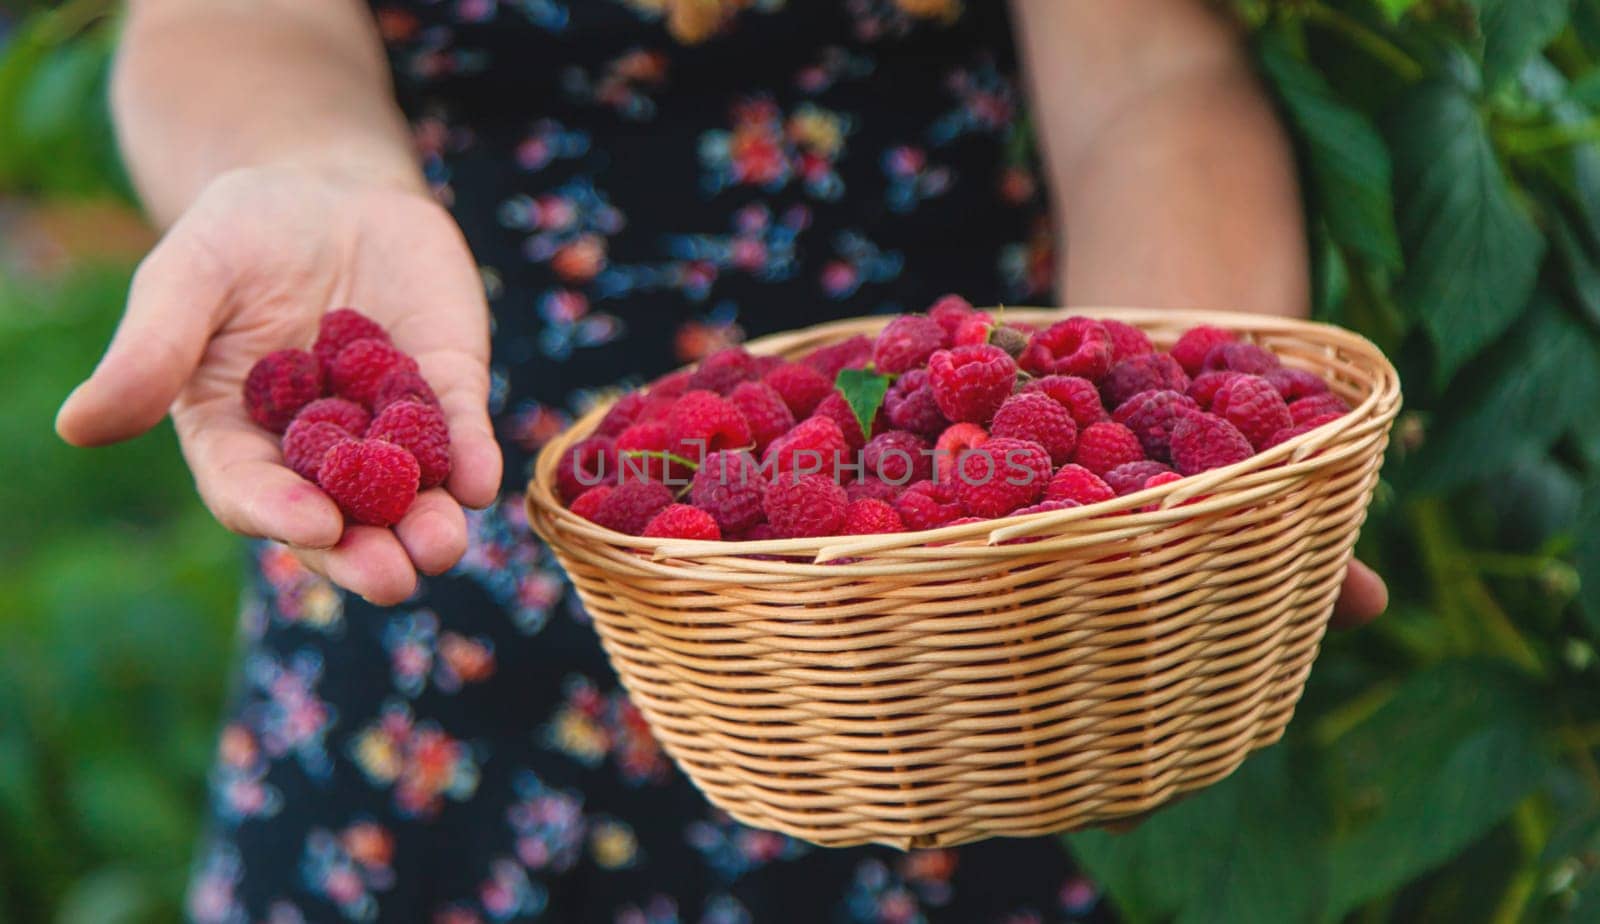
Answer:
(948, 312)
(346, 415)
(702, 422)
(1105, 445)
(403, 385)
(846, 354)
(631, 505)
(761, 365)
(1126, 341)
(1250, 403)
(671, 385)
(360, 368)
(927, 505)
(906, 343)
(1295, 384)
(589, 501)
(340, 328)
(1000, 476)
(1316, 406)
(760, 532)
(722, 370)
(805, 506)
(801, 387)
(867, 516)
(1294, 430)
(681, 521)
(1078, 395)
(1131, 476)
(956, 439)
(764, 410)
(1191, 349)
(1205, 386)
(372, 481)
(622, 415)
(970, 382)
(1240, 357)
(910, 405)
(837, 409)
(1151, 415)
(1076, 346)
(1038, 417)
(814, 445)
(729, 486)
(420, 430)
(1159, 479)
(279, 385)
(875, 488)
(637, 452)
(306, 442)
(1201, 442)
(588, 462)
(1075, 483)
(898, 457)
(1044, 506)
(1150, 371)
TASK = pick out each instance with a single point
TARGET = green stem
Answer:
(1337, 722)
(662, 454)
(1532, 833)
(1365, 38)
(1539, 138)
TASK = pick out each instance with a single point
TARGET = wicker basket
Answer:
(935, 688)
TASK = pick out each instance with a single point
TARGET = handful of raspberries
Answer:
(356, 418)
(952, 416)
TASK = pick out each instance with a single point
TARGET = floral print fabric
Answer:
(635, 202)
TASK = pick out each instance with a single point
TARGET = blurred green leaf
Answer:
(1514, 29)
(1588, 556)
(1348, 162)
(1395, 9)
(109, 896)
(1473, 253)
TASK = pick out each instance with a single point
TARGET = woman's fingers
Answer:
(461, 381)
(1362, 599)
(433, 532)
(172, 307)
(369, 561)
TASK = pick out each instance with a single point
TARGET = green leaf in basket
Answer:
(1348, 162)
(864, 392)
(1472, 252)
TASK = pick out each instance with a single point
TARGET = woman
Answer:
(639, 181)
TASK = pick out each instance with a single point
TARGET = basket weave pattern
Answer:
(935, 688)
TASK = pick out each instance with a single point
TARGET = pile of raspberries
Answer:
(981, 419)
(356, 417)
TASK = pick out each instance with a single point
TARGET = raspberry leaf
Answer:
(864, 392)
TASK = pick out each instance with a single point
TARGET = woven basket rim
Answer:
(1366, 422)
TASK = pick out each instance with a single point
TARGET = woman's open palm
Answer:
(251, 268)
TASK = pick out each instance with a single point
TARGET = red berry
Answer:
(1000, 476)
(1191, 349)
(1073, 482)
(853, 353)
(906, 343)
(801, 387)
(1161, 478)
(631, 505)
(927, 505)
(639, 452)
(1202, 441)
(805, 506)
(722, 370)
(897, 457)
(910, 405)
(867, 516)
(729, 486)
(875, 488)
(671, 385)
(1295, 384)
(279, 385)
(420, 430)
(347, 415)
(589, 501)
(1290, 432)
(1077, 346)
(1147, 372)
(1105, 445)
(970, 382)
(340, 328)
(1077, 394)
(1151, 416)
(372, 481)
(764, 410)
(702, 422)
(974, 329)
(621, 415)
(1038, 417)
(956, 439)
(948, 312)
(814, 445)
(837, 409)
(1240, 357)
(1127, 340)
(403, 385)
(588, 462)
(1205, 386)
(1316, 406)
(1131, 476)
(681, 521)
(306, 442)
(1250, 403)
(360, 368)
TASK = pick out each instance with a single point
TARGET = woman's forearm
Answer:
(1174, 182)
(202, 87)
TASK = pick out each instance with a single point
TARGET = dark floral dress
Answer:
(635, 201)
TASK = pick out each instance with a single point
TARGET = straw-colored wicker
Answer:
(934, 688)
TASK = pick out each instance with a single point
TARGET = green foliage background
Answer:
(1442, 766)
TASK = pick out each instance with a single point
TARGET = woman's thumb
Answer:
(172, 306)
